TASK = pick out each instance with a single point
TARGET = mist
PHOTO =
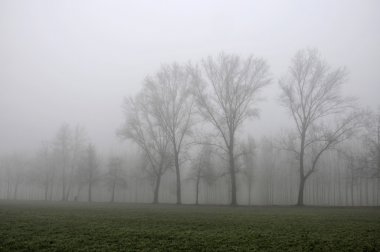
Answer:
(243, 103)
(61, 60)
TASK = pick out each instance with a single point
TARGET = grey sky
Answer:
(74, 61)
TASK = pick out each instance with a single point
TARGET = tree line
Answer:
(189, 123)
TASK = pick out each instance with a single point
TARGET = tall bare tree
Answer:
(268, 156)
(249, 152)
(226, 89)
(89, 168)
(146, 132)
(354, 166)
(15, 167)
(202, 169)
(44, 172)
(62, 148)
(78, 146)
(311, 93)
(372, 142)
(372, 146)
(170, 103)
(115, 176)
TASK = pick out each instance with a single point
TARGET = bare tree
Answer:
(115, 176)
(202, 169)
(249, 152)
(146, 132)
(43, 173)
(354, 169)
(268, 156)
(311, 93)
(226, 89)
(79, 140)
(14, 166)
(89, 168)
(372, 142)
(170, 102)
(7, 165)
(62, 147)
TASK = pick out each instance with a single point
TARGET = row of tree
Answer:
(266, 177)
(69, 161)
(188, 122)
(182, 105)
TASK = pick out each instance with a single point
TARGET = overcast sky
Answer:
(74, 61)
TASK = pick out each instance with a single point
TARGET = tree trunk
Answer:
(178, 175)
(360, 192)
(249, 192)
(352, 190)
(366, 192)
(156, 189)
(346, 193)
(89, 191)
(113, 191)
(300, 191)
(378, 192)
(51, 193)
(46, 190)
(232, 175)
(301, 170)
(8, 188)
(136, 189)
(197, 191)
(15, 192)
(317, 195)
(373, 192)
(51, 182)
(70, 182)
(339, 188)
(63, 190)
(63, 184)
(314, 192)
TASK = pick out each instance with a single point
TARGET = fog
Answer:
(74, 62)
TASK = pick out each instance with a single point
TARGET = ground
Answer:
(39, 226)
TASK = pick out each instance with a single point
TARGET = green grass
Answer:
(27, 226)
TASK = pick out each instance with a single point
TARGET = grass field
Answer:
(28, 226)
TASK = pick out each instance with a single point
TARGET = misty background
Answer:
(67, 65)
(75, 61)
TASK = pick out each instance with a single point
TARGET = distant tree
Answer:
(89, 168)
(170, 102)
(15, 169)
(371, 157)
(7, 166)
(202, 169)
(269, 154)
(143, 129)
(372, 142)
(248, 156)
(62, 149)
(311, 93)
(225, 90)
(115, 176)
(78, 146)
(44, 169)
(354, 166)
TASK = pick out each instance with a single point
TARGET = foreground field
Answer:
(26, 226)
